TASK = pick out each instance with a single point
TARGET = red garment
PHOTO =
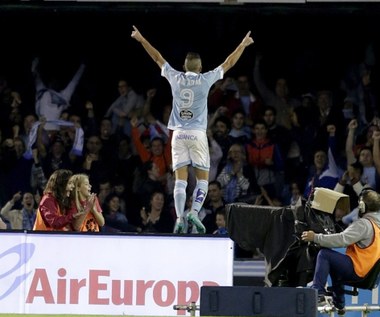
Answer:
(163, 162)
(232, 102)
(259, 151)
(49, 216)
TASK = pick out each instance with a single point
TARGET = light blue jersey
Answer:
(190, 93)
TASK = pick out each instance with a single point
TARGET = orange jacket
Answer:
(163, 161)
(365, 258)
(49, 216)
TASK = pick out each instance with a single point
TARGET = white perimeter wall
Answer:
(111, 275)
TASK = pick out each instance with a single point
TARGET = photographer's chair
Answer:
(370, 281)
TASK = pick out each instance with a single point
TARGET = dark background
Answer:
(312, 44)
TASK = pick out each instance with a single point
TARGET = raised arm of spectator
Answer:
(68, 91)
(37, 178)
(40, 140)
(5, 211)
(352, 126)
(376, 150)
(218, 112)
(90, 124)
(39, 84)
(140, 148)
(3, 225)
(268, 95)
(148, 102)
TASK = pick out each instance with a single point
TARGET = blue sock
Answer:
(199, 194)
(179, 197)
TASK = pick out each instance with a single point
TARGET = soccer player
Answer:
(188, 120)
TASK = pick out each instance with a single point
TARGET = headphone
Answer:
(363, 207)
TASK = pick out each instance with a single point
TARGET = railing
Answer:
(191, 308)
(365, 309)
(330, 310)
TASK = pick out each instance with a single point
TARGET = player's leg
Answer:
(199, 196)
(179, 194)
(200, 158)
(180, 162)
(201, 189)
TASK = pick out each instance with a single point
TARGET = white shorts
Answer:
(190, 147)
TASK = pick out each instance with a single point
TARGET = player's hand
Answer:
(136, 34)
(248, 40)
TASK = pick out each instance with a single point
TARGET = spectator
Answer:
(240, 133)
(57, 157)
(50, 101)
(220, 221)
(10, 112)
(351, 185)
(158, 152)
(221, 126)
(127, 105)
(15, 167)
(370, 175)
(235, 176)
(91, 218)
(126, 164)
(115, 220)
(264, 157)
(20, 219)
(94, 163)
(325, 172)
(52, 213)
(214, 202)
(157, 218)
(279, 97)
(147, 182)
(105, 188)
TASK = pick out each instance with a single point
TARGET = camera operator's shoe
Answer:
(322, 300)
(193, 218)
(339, 307)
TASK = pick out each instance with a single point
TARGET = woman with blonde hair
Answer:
(87, 204)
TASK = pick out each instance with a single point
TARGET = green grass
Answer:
(59, 315)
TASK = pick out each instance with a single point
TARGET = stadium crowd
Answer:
(267, 146)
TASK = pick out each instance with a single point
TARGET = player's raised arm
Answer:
(235, 55)
(153, 53)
